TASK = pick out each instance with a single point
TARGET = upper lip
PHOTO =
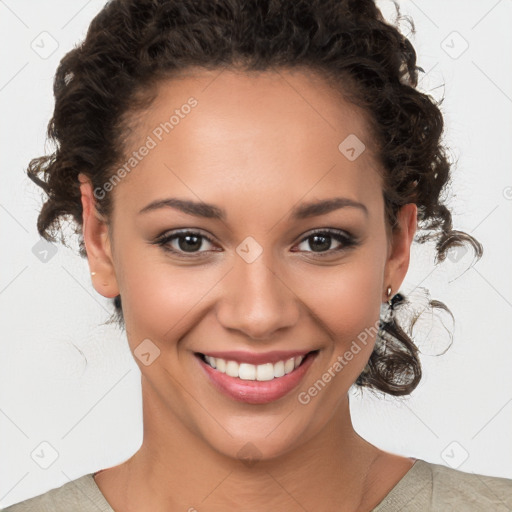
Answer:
(257, 358)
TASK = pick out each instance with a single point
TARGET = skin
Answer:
(255, 146)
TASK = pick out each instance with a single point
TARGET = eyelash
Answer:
(346, 239)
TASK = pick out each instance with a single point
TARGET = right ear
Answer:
(97, 242)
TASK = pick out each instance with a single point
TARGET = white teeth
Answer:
(279, 369)
(261, 372)
(220, 364)
(211, 361)
(264, 371)
(232, 368)
(289, 365)
(247, 371)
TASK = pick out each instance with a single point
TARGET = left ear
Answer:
(399, 252)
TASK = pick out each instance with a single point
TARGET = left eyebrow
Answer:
(324, 206)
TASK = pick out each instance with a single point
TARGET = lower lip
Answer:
(253, 391)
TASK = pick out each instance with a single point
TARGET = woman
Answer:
(248, 178)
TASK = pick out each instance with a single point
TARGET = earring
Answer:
(93, 273)
(388, 293)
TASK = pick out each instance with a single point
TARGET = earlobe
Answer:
(97, 242)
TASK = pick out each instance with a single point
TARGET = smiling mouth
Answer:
(252, 372)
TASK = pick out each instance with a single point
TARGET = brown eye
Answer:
(321, 241)
(185, 243)
(189, 242)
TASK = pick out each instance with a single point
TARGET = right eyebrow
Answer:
(199, 209)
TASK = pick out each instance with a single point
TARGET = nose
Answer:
(256, 300)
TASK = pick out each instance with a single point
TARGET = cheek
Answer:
(346, 301)
(159, 298)
(347, 305)
(346, 297)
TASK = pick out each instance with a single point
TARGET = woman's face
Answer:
(251, 284)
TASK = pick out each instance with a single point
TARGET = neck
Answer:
(174, 469)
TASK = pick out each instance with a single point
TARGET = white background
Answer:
(90, 413)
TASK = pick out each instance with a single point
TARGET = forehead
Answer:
(216, 133)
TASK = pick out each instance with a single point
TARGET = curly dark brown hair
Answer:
(132, 45)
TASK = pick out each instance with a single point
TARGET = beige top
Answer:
(425, 487)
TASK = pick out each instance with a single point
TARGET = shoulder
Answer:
(457, 488)
(428, 487)
(81, 494)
